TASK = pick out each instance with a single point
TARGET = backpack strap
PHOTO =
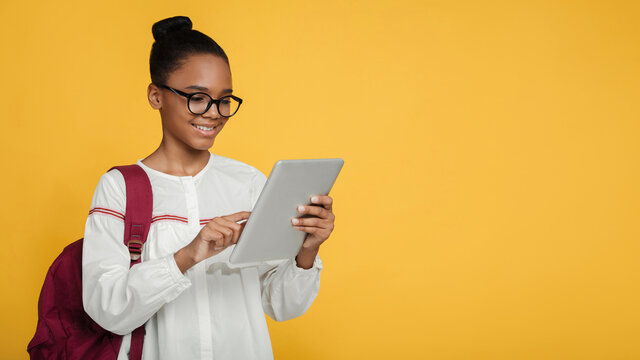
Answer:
(137, 221)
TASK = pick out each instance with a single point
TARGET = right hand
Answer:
(217, 235)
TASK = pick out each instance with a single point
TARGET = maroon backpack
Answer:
(65, 330)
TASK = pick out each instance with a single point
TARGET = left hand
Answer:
(318, 222)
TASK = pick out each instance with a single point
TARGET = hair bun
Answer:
(169, 25)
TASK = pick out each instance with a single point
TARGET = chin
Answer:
(202, 146)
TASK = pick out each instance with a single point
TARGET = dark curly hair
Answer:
(175, 40)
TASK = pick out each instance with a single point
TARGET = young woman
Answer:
(196, 305)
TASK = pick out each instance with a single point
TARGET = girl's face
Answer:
(198, 73)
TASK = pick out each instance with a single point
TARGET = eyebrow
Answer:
(202, 88)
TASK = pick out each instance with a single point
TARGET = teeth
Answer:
(203, 128)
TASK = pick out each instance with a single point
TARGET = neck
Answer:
(172, 159)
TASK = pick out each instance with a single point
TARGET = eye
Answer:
(199, 98)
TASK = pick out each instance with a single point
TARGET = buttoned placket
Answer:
(201, 287)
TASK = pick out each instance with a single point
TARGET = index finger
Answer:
(325, 200)
(241, 215)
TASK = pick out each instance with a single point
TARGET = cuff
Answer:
(317, 266)
(177, 275)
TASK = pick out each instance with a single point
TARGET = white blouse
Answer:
(215, 310)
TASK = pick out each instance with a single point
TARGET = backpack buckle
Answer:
(135, 249)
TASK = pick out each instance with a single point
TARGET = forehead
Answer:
(203, 70)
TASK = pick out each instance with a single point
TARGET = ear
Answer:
(155, 98)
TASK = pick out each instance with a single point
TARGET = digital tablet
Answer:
(268, 233)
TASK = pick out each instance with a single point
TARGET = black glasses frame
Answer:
(211, 100)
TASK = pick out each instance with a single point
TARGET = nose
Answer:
(212, 112)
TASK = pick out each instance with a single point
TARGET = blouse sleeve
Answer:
(119, 298)
(287, 290)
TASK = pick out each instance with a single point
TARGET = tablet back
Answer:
(269, 234)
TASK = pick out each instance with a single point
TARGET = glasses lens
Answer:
(198, 103)
(228, 106)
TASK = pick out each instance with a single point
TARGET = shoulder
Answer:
(110, 193)
(114, 180)
(244, 174)
(236, 169)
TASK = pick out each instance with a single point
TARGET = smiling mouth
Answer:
(206, 130)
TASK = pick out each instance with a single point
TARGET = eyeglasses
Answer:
(199, 103)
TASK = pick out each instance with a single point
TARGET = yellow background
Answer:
(488, 206)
